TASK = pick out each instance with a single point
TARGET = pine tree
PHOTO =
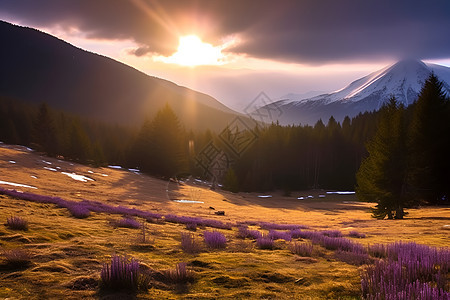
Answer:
(382, 175)
(230, 182)
(161, 146)
(429, 141)
(44, 131)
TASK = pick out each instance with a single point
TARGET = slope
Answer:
(37, 67)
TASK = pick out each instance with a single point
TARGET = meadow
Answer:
(112, 233)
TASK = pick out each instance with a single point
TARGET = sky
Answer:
(235, 49)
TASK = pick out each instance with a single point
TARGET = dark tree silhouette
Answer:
(429, 141)
(382, 175)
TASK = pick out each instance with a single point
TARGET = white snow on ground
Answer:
(134, 170)
(321, 196)
(188, 201)
(46, 162)
(104, 175)
(78, 177)
(32, 176)
(51, 169)
(115, 167)
(341, 193)
(301, 198)
(265, 196)
(18, 184)
(91, 172)
(12, 162)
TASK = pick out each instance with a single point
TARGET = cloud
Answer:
(304, 31)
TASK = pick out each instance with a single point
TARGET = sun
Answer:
(193, 52)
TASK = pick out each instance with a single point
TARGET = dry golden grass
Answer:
(67, 254)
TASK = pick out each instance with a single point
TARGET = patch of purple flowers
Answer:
(275, 226)
(332, 233)
(17, 223)
(356, 234)
(215, 239)
(189, 244)
(191, 226)
(279, 235)
(122, 273)
(83, 208)
(244, 232)
(340, 243)
(409, 271)
(302, 249)
(264, 242)
(126, 222)
(356, 258)
(79, 211)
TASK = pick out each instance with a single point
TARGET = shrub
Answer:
(264, 242)
(123, 273)
(17, 258)
(215, 239)
(356, 234)
(189, 243)
(302, 249)
(181, 274)
(17, 223)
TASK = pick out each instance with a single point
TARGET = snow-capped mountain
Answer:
(403, 80)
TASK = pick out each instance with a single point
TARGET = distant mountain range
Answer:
(37, 67)
(403, 80)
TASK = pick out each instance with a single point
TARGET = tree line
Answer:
(396, 156)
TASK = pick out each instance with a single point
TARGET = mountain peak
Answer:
(403, 79)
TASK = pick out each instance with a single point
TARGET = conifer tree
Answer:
(44, 131)
(161, 145)
(382, 175)
(429, 141)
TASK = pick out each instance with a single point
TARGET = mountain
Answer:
(37, 67)
(403, 80)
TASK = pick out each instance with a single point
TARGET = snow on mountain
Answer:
(404, 80)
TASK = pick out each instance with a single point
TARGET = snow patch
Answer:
(46, 162)
(35, 177)
(115, 167)
(18, 184)
(78, 177)
(134, 170)
(321, 196)
(341, 193)
(301, 198)
(12, 162)
(91, 172)
(51, 169)
(265, 196)
(188, 201)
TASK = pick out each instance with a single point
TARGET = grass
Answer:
(69, 253)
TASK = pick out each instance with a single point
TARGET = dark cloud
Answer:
(313, 31)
